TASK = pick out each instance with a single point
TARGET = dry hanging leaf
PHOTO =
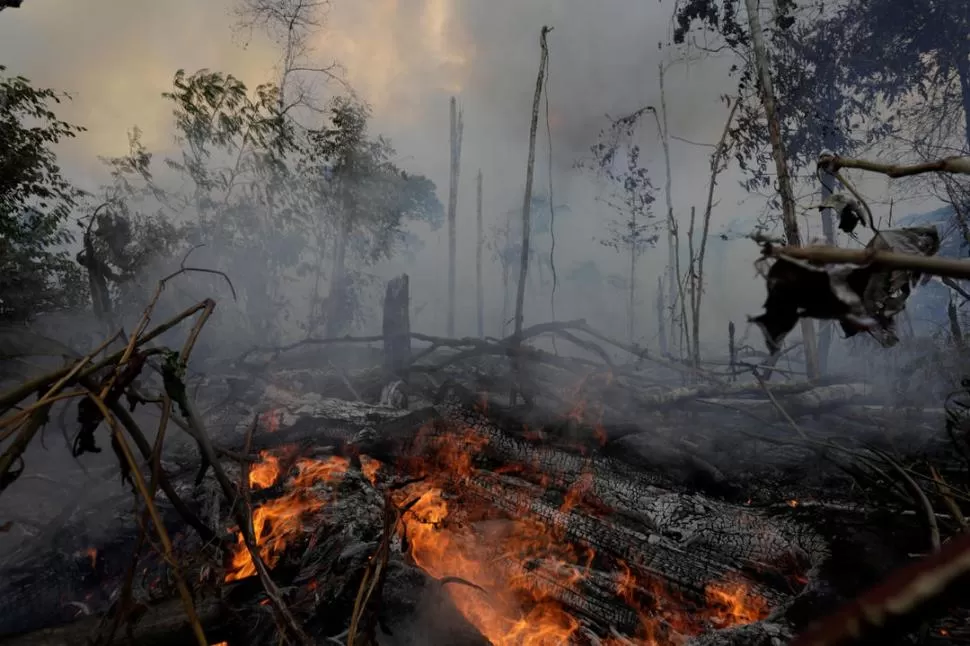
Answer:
(861, 298)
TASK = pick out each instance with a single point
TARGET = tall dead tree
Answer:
(457, 126)
(781, 165)
(828, 230)
(672, 269)
(479, 286)
(526, 204)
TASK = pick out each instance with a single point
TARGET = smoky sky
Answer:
(406, 58)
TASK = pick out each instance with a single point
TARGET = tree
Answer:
(36, 272)
(455, 139)
(234, 193)
(505, 244)
(368, 198)
(629, 194)
(290, 25)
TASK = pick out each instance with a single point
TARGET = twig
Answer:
(52, 393)
(343, 377)
(242, 512)
(944, 489)
(374, 574)
(155, 517)
(781, 409)
(13, 397)
(128, 422)
(125, 599)
(919, 497)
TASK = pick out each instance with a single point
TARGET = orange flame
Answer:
(731, 604)
(279, 521)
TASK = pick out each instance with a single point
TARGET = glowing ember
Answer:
(731, 604)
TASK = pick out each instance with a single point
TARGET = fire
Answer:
(517, 568)
(732, 605)
(503, 559)
(793, 503)
(444, 548)
(277, 522)
(265, 473)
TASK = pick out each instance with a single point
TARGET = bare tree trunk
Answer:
(631, 302)
(680, 322)
(672, 269)
(337, 298)
(828, 230)
(397, 330)
(527, 203)
(697, 294)
(789, 218)
(963, 70)
(456, 133)
(662, 313)
(691, 287)
(506, 273)
(480, 289)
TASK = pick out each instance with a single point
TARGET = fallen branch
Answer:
(892, 260)
(957, 165)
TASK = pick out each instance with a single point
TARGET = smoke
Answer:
(407, 59)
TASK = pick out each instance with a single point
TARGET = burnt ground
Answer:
(730, 456)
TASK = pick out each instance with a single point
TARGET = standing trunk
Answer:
(455, 141)
(337, 298)
(828, 230)
(397, 331)
(781, 165)
(479, 287)
(314, 315)
(672, 269)
(526, 215)
(698, 293)
(963, 70)
(630, 311)
(662, 314)
(506, 272)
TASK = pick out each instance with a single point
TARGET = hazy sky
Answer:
(406, 57)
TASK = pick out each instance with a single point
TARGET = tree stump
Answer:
(397, 332)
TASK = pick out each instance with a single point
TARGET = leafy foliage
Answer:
(616, 159)
(363, 202)
(36, 273)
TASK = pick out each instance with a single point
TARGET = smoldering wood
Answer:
(675, 514)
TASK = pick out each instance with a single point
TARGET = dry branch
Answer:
(892, 260)
(13, 397)
(957, 165)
